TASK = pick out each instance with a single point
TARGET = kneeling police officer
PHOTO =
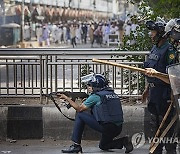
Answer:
(106, 117)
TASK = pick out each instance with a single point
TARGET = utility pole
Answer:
(107, 8)
(94, 7)
(22, 21)
(3, 9)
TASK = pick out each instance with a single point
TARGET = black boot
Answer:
(128, 145)
(73, 149)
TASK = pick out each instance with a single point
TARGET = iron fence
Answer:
(29, 72)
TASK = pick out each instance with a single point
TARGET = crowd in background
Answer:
(78, 32)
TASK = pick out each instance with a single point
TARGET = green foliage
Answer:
(165, 8)
(138, 40)
(85, 70)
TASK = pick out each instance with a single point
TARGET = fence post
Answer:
(41, 78)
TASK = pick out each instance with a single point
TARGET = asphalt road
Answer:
(54, 147)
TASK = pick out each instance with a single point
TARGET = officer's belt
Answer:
(152, 85)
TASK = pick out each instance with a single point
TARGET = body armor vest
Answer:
(157, 59)
(110, 109)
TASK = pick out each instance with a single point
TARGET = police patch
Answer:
(171, 56)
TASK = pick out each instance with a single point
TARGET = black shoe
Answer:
(128, 145)
(73, 149)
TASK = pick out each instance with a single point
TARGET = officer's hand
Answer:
(151, 72)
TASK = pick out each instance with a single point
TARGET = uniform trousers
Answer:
(159, 101)
(108, 131)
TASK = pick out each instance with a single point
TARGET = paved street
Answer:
(54, 147)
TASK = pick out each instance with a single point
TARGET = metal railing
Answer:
(29, 72)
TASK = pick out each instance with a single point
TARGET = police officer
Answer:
(158, 91)
(172, 30)
(106, 117)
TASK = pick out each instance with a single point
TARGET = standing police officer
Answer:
(172, 30)
(106, 117)
(157, 91)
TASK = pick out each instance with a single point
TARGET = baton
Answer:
(158, 74)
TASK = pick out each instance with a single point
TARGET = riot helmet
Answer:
(175, 32)
(96, 81)
(159, 27)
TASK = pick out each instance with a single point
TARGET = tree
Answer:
(165, 8)
(139, 39)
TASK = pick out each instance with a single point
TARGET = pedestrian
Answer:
(158, 92)
(45, 35)
(73, 35)
(84, 32)
(91, 33)
(106, 117)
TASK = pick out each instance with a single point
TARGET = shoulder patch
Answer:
(171, 56)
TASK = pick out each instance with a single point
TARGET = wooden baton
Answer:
(162, 123)
(153, 148)
(127, 67)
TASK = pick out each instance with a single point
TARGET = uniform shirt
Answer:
(170, 54)
(92, 100)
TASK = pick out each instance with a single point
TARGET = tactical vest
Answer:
(110, 109)
(157, 59)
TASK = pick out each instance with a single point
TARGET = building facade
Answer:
(58, 10)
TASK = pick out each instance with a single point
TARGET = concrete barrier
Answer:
(35, 122)
(3, 122)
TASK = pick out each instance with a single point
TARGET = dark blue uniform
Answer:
(110, 109)
(106, 118)
(159, 91)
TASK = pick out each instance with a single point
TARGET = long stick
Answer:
(153, 148)
(127, 67)
(162, 123)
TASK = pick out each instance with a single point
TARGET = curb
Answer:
(36, 122)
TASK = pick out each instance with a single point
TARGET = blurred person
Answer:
(78, 34)
(45, 35)
(106, 33)
(84, 33)
(73, 35)
(91, 33)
